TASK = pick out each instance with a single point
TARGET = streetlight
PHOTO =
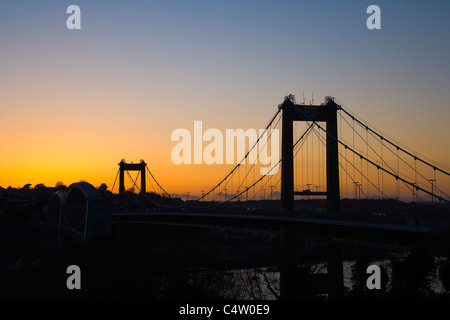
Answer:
(308, 185)
(356, 189)
(432, 189)
(432, 197)
(357, 186)
(271, 192)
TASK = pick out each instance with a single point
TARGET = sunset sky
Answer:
(73, 103)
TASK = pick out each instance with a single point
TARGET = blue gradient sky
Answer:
(79, 101)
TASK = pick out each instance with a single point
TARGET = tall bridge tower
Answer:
(327, 113)
(123, 166)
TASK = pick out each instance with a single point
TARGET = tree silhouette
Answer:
(27, 186)
(444, 269)
(411, 277)
(39, 186)
(60, 185)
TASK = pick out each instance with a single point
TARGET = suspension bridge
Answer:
(359, 163)
(341, 180)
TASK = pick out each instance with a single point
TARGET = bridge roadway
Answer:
(397, 237)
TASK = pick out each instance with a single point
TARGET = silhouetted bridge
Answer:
(82, 213)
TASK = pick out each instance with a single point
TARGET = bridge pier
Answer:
(335, 270)
(117, 230)
(288, 266)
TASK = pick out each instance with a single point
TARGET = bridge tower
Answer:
(327, 113)
(123, 166)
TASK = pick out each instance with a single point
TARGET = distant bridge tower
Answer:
(320, 113)
(123, 166)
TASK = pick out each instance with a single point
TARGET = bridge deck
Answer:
(374, 234)
(137, 215)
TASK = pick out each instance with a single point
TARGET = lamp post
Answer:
(432, 189)
(308, 185)
(357, 195)
(432, 197)
(356, 189)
